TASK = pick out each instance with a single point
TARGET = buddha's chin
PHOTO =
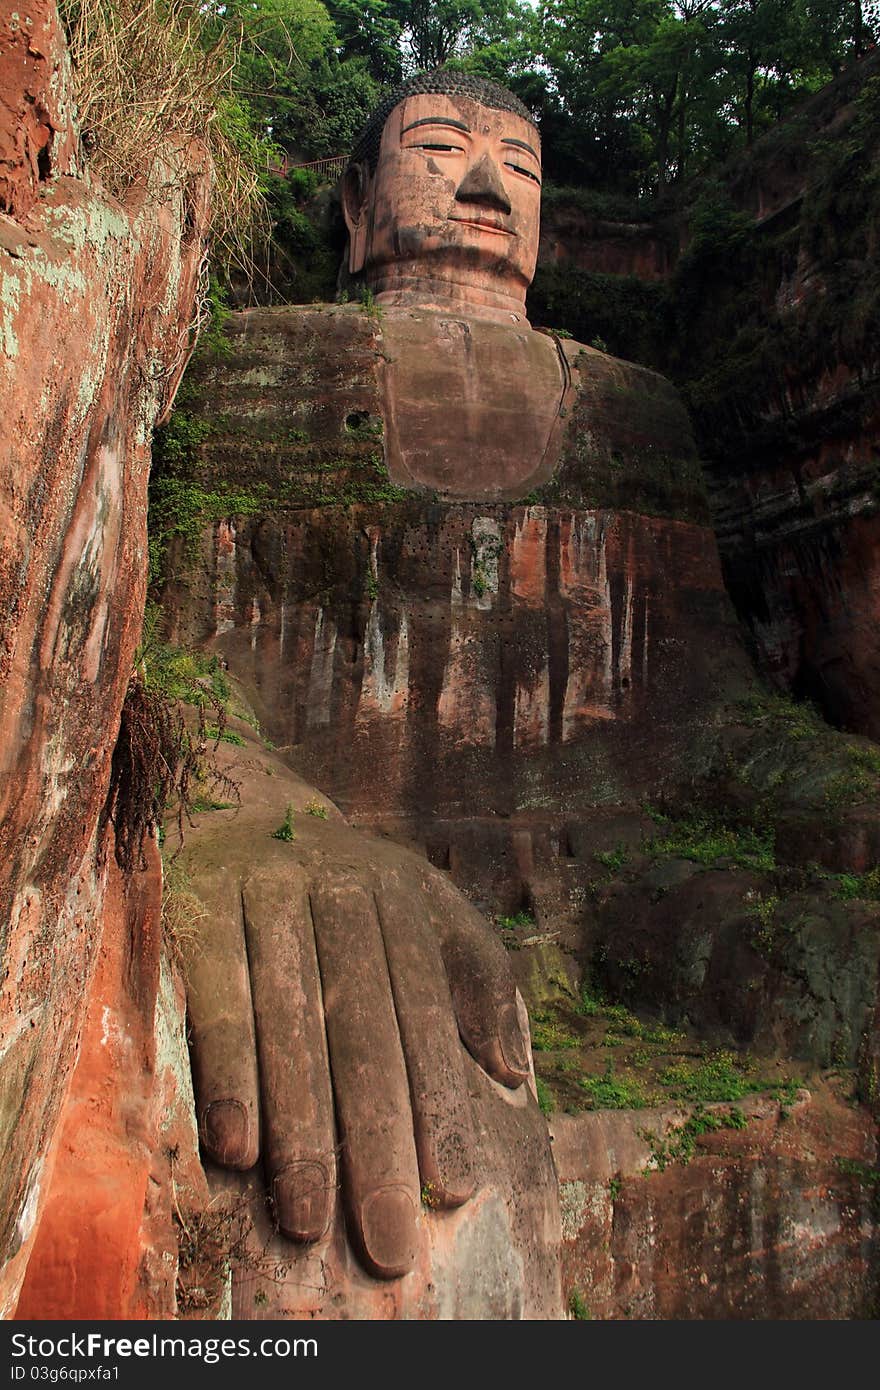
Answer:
(457, 271)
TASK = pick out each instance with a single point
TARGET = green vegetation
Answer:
(546, 1100)
(577, 1306)
(369, 305)
(721, 1076)
(706, 840)
(285, 830)
(548, 1034)
(778, 714)
(679, 1143)
(183, 504)
(201, 804)
(850, 887)
(181, 509)
(762, 908)
(150, 77)
(523, 918)
(599, 1055)
(176, 705)
(316, 808)
(613, 860)
(479, 582)
(430, 1197)
(858, 782)
(866, 1174)
(589, 1003)
(620, 314)
(623, 1024)
(218, 735)
(610, 1092)
(196, 678)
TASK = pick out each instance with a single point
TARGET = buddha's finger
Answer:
(481, 984)
(380, 1169)
(298, 1132)
(442, 1121)
(221, 1023)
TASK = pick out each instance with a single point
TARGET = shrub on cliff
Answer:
(149, 80)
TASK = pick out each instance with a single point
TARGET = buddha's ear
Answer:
(356, 190)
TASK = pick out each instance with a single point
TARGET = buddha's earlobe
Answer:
(356, 210)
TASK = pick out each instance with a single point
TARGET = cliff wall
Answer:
(758, 294)
(95, 317)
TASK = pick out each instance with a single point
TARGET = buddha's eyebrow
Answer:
(437, 120)
(521, 145)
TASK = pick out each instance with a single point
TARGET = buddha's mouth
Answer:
(485, 224)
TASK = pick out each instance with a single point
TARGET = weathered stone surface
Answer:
(571, 235)
(498, 650)
(795, 976)
(127, 1170)
(38, 137)
(443, 206)
(97, 301)
(775, 1220)
(565, 651)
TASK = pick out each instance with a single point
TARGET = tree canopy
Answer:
(630, 94)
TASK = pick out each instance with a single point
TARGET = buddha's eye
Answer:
(527, 173)
(441, 149)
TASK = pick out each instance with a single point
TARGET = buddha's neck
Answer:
(395, 287)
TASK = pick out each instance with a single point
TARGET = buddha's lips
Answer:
(485, 224)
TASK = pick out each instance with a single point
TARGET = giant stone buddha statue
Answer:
(456, 605)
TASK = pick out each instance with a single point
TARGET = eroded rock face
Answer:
(772, 1220)
(38, 137)
(97, 299)
(127, 1174)
(800, 538)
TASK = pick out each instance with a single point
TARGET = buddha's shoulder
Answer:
(628, 441)
(612, 382)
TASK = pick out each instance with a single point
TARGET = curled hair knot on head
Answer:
(441, 82)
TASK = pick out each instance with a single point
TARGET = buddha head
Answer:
(442, 197)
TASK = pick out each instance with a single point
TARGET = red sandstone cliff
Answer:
(759, 296)
(95, 313)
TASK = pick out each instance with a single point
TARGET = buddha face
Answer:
(452, 211)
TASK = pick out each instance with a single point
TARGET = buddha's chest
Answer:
(471, 409)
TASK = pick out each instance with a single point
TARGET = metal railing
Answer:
(328, 170)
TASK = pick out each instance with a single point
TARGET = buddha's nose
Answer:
(482, 184)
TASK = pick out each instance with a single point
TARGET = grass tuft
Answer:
(148, 83)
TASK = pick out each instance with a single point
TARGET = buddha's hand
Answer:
(342, 945)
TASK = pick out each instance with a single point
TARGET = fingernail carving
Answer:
(226, 1132)
(303, 1195)
(388, 1225)
(513, 1048)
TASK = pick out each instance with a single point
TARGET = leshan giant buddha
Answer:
(457, 607)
